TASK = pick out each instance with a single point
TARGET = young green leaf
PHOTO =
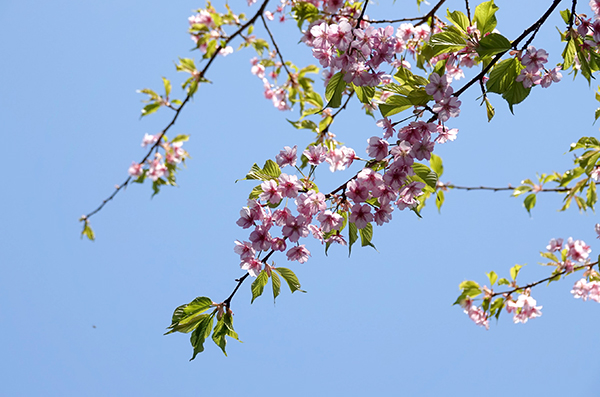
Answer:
(366, 234)
(335, 89)
(276, 284)
(485, 17)
(258, 285)
(201, 333)
(352, 236)
(290, 278)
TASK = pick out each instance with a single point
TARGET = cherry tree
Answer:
(409, 74)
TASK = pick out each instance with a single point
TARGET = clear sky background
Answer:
(87, 318)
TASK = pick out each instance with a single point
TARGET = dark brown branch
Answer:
(201, 74)
(468, 10)
(277, 48)
(562, 272)
(419, 20)
(572, 17)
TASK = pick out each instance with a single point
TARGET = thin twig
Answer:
(468, 10)
(506, 293)
(276, 48)
(201, 74)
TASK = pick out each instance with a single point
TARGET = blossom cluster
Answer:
(206, 28)
(524, 308)
(277, 94)
(160, 166)
(534, 60)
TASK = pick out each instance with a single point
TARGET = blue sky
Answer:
(83, 318)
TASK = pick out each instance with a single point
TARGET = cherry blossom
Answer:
(524, 308)
(586, 290)
(298, 253)
(135, 169)
(287, 156)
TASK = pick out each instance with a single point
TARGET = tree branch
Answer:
(202, 73)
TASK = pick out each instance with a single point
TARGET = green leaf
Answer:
(201, 333)
(467, 284)
(491, 112)
(290, 278)
(439, 199)
(87, 231)
(514, 271)
(314, 99)
(303, 11)
(503, 281)
(224, 328)
(167, 85)
(365, 94)
(569, 54)
(180, 138)
(366, 235)
(497, 306)
(566, 15)
(458, 19)
(352, 236)
(335, 89)
(451, 40)
(150, 108)
(186, 317)
(395, 104)
(426, 174)
(484, 17)
(516, 94)
(436, 164)
(258, 285)
(276, 285)
(503, 75)
(493, 277)
(270, 170)
(549, 255)
(419, 97)
(493, 44)
(592, 197)
(529, 202)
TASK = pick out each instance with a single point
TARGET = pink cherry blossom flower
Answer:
(289, 185)
(439, 86)
(386, 124)
(445, 134)
(378, 148)
(253, 266)
(524, 308)
(595, 174)
(534, 59)
(270, 192)
(447, 107)
(578, 250)
(555, 245)
(244, 250)
(529, 78)
(422, 150)
(553, 75)
(361, 215)
(309, 204)
(299, 253)
(316, 232)
(597, 229)
(269, 15)
(278, 244)
(370, 179)
(383, 214)
(295, 228)
(280, 217)
(157, 168)
(261, 238)
(357, 191)
(586, 290)
(476, 314)
(315, 154)
(336, 238)
(135, 169)
(330, 220)
(408, 194)
(287, 156)
(149, 139)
